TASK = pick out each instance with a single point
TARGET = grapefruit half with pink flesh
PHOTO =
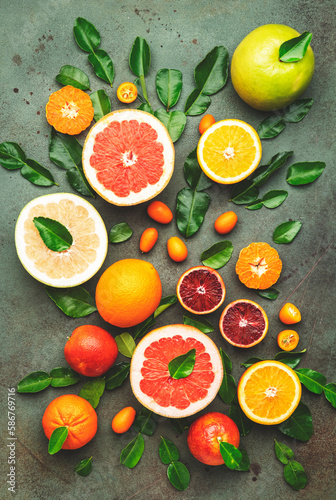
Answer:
(157, 390)
(128, 157)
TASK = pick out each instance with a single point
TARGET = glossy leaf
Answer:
(75, 302)
(57, 439)
(295, 475)
(132, 453)
(77, 180)
(168, 451)
(36, 174)
(268, 293)
(243, 423)
(191, 207)
(330, 393)
(251, 361)
(84, 467)
(63, 377)
(297, 110)
(69, 75)
(140, 57)
(178, 475)
(120, 232)
(196, 103)
(145, 106)
(102, 65)
(283, 452)
(304, 172)
(294, 50)
(141, 98)
(93, 390)
(212, 72)
(174, 121)
(286, 232)
(272, 126)
(273, 199)
(145, 422)
(11, 156)
(312, 380)
(244, 464)
(262, 173)
(142, 328)
(226, 361)
(291, 359)
(200, 323)
(64, 150)
(53, 234)
(228, 389)
(101, 104)
(117, 375)
(217, 255)
(126, 344)
(255, 205)
(86, 35)
(165, 302)
(299, 425)
(193, 173)
(169, 86)
(180, 425)
(34, 382)
(183, 365)
(244, 192)
(230, 454)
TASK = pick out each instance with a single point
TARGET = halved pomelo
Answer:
(128, 157)
(87, 252)
(157, 390)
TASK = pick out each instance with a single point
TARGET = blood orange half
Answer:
(128, 157)
(157, 390)
(243, 323)
(201, 290)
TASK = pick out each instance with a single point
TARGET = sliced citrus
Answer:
(229, 151)
(289, 314)
(128, 157)
(243, 323)
(157, 390)
(269, 392)
(87, 252)
(201, 290)
(288, 340)
(258, 266)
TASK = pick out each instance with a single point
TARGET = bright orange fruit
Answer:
(258, 266)
(127, 92)
(289, 314)
(288, 340)
(123, 420)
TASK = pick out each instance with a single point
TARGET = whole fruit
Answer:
(205, 434)
(90, 350)
(260, 78)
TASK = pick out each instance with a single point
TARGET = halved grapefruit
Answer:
(157, 390)
(87, 252)
(128, 157)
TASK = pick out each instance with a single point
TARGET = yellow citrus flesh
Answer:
(229, 151)
(269, 392)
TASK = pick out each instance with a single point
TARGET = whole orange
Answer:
(206, 432)
(128, 292)
(90, 350)
(76, 414)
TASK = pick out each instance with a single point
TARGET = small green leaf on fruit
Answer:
(168, 451)
(283, 452)
(218, 255)
(126, 344)
(34, 382)
(93, 390)
(54, 235)
(304, 172)
(268, 293)
(57, 439)
(117, 375)
(178, 475)
(299, 425)
(294, 50)
(132, 453)
(230, 454)
(84, 467)
(63, 377)
(295, 475)
(120, 232)
(69, 75)
(286, 232)
(182, 366)
(75, 302)
(202, 324)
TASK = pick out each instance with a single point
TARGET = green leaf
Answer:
(34, 382)
(193, 173)
(53, 234)
(165, 302)
(102, 65)
(174, 121)
(298, 110)
(169, 86)
(145, 106)
(191, 207)
(244, 192)
(230, 454)
(212, 72)
(117, 375)
(286, 232)
(228, 389)
(226, 361)
(84, 467)
(11, 156)
(330, 393)
(77, 180)
(132, 453)
(270, 293)
(295, 475)
(101, 104)
(137, 83)
(168, 451)
(120, 232)
(294, 50)
(200, 323)
(63, 377)
(145, 422)
(299, 425)
(75, 302)
(243, 423)
(304, 172)
(255, 205)
(312, 380)
(36, 174)
(251, 361)
(180, 425)
(182, 366)
(140, 57)
(217, 255)
(69, 75)
(64, 150)
(178, 475)
(291, 359)
(244, 465)
(272, 126)
(86, 35)
(262, 173)
(142, 328)
(57, 439)
(93, 390)
(126, 344)
(196, 103)
(283, 452)
(273, 199)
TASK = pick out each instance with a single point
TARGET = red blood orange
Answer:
(243, 323)
(157, 390)
(128, 157)
(201, 290)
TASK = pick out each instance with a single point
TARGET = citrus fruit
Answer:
(201, 290)
(289, 314)
(243, 323)
(158, 211)
(87, 252)
(123, 420)
(69, 110)
(127, 92)
(205, 434)
(229, 151)
(128, 157)
(148, 239)
(288, 340)
(205, 123)
(258, 266)
(226, 222)
(260, 78)
(177, 249)
(157, 390)
(128, 292)
(76, 414)
(268, 392)
(90, 350)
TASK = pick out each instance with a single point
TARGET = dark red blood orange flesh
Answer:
(243, 323)
(201, 290)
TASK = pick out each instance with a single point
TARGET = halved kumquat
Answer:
(289, 314)
(288, 340)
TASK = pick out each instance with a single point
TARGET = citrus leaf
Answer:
(180, 424)
(93, 390)
(57, 439)
(126, 344)
(255, 205)
(283, 452)
(295, 475)
(312, 380)
(64, 150)
(86, 35)
(75, 302)
(101, 104)
(174, 121)
(63, 377)
(165, 302)
(273, 199)
(243, 423)
(84, 467)
(143, 327)
(196, 103)
(330, 393)
(140, 57)
(304, 172)
(226, 361)
(117, 375)
(53, 234)
(145, 106)
(212, 72)
(218, 255)
(168, 451)
(34, 382)
(120, 232)
(291, 359)
(251, 361)
(299, 425)
(262, 173)
(272, 126)
(145, 422)
(69, 75)
(294, 50)
(286, 232)
(77, 180)
(269, 293)
(36, 174)
(193, 173)
(11, 156)
(244, 192)
(137, 83)
(244, 464)
(182, 366)
(228, 389)
(230, 454)
(168, 86)
(102, 65)
(200, 323)
(178, 475)
(132, 453)
(297, 110)
(191, 207)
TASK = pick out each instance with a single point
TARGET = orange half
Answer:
(259, 266)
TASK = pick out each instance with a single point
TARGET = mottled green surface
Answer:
(36, 40)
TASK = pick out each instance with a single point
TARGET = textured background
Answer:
(36, 40)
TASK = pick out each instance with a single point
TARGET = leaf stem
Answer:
(143, 86)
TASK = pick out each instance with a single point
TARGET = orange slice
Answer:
(229, 151)
(258, 266)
